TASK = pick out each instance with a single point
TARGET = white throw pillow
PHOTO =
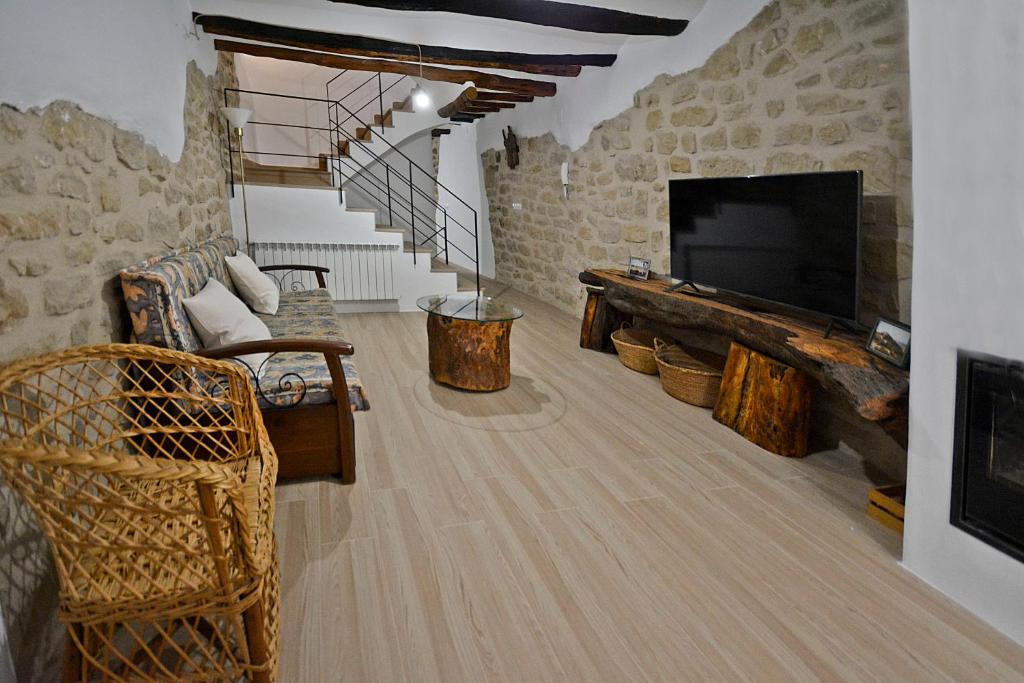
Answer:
(220, 318)
(256, 287)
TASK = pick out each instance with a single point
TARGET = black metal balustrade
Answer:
(394, 184)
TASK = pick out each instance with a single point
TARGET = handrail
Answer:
(364, 124)
(363, 171)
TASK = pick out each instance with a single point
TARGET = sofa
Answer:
(309, 422)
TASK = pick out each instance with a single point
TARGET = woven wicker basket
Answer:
(691, 375)
(635, 349)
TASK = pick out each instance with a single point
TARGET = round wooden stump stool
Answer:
(468, 341)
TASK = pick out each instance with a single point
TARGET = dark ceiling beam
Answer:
(438, 132)
(463, 98)
(523, 86)
(490, 96)
(474, 108)
(463, 119)
(543, 13)
(548, 65)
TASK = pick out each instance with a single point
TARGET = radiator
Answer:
(359, 272)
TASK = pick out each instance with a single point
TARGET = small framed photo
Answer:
(639, 268)
(890, 341)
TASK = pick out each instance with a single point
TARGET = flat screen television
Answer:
(788, 239)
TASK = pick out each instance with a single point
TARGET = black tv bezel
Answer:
(773, 302)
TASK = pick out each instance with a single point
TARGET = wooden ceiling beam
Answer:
(491, 96)
(474, 108)
(338, 43)
(523, 86)
(463, 119)
(544, 13)
(463, 98)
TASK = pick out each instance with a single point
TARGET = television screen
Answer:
(790, 239)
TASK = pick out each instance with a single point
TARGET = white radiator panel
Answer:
(359, 272)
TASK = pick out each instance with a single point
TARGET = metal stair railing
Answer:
(394, 190)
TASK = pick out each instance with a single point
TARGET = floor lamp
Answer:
(238, 118)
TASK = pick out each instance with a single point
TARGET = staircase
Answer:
(423, 241)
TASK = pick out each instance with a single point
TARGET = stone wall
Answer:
(808, 85)
(79, 200)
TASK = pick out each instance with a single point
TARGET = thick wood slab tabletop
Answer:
(876, 390)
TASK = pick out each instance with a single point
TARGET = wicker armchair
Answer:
(151, 475)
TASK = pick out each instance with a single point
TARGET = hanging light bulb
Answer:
(420, 97)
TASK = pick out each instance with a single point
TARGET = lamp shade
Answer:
(237, 116)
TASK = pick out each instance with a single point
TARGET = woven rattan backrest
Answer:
(135, 461)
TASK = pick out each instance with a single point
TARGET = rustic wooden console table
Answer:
(841, 365)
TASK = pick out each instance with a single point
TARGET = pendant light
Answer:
(420, 97)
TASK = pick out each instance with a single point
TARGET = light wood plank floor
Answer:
(582, 525)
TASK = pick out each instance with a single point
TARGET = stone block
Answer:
(13, 305)
(874, 13)
(868, 123)
(740, 110)
(809, 82)
(654, 119)
(130, 149)
(108, 192)
(714, 141)
(694, 116)
(688, 142)
(65, 125)
(634, 233)
(729, 93)
(12, 124)
(793, 134)
(789, 162)
(29, 265)
(724, 166)
(867, 71)
(17, 177)
(815, 37)
(633, 167)
(822, 103)
(69, 184)
(667, 141)
(878, 164)
(780, 64)
(745, 136)
(834, 132)
(723, 64)
(28, 226)
(685, 91)
(774, 108)
(68, 293)
(679, 164)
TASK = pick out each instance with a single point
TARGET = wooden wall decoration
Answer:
(511, 148)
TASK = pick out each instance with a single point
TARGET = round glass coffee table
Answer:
(468, 340)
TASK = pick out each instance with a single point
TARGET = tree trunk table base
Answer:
(765, 401)
(468, 354)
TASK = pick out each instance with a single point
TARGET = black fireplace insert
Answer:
(988, 455)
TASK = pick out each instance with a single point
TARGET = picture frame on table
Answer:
(890, 341)
(639, 268)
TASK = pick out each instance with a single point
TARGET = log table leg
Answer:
(767, 402)
(600, 319)
(468, 354)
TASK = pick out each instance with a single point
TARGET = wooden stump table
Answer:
(468, 341)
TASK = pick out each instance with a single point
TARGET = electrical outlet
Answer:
(517, 206)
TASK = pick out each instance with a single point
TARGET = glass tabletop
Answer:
(482, 309)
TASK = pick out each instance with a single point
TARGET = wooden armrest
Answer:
(319, 270)
(285, 344)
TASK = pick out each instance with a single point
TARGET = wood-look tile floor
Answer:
(584, 526)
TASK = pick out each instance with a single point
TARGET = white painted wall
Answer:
(968, 121)
(600, 94)
(122, 60)
(460, 170)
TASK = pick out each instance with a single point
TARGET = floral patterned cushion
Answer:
(153, 291)
(285, 376)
